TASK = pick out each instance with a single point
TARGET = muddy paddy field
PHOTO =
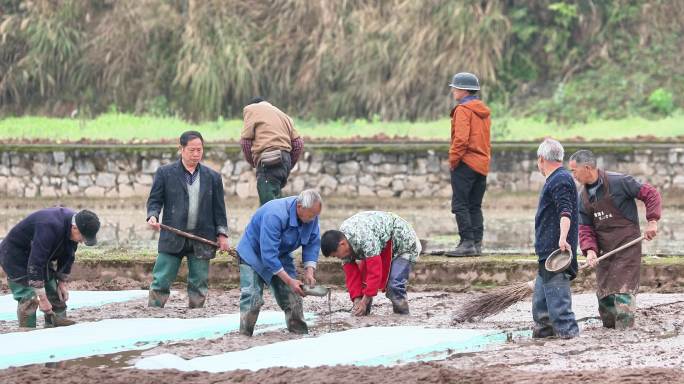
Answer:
(651, 352)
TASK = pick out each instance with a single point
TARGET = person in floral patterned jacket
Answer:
(377, 250)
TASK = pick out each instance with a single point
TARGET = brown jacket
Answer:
(470, 140)
(268, 127)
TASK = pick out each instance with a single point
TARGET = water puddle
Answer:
(114, 360)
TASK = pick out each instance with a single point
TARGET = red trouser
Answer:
(370, 275)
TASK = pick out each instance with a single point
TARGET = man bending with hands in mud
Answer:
(37, 256)
(377, 250)
(276, 230)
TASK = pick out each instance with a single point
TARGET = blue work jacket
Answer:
(271, 236)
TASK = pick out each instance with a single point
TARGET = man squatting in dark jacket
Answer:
(37, 255)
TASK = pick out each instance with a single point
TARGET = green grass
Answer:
(126, 127)
(663, 260)
(133, 255)
(127, 255)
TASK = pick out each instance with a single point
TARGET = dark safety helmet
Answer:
(465, 80)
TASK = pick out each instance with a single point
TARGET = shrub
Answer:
(661, 101)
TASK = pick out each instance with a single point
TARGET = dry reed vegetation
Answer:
(387, 59)
(207, 57)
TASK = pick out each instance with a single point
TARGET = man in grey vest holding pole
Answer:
(190, 195)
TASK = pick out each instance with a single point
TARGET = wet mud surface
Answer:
(413, 373)
(651, 352)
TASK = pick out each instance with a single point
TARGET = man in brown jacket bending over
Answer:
(469, 156)
(271, 144)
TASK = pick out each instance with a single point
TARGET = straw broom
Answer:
(493, 302)
(499, 299)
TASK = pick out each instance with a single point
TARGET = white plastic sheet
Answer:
(77, 299)
(116, 335)
(362, 346)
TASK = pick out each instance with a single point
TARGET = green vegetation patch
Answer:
(94, 255)
(129, 128)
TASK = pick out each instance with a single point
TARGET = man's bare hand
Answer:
(592, 259)
(296, 287)
(63, 291)
(43, 302)
(152, 221)
(651, 230)
(309, 278)
(222, 241)
(563, 245)
(360, 306)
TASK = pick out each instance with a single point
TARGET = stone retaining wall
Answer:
(396, 170)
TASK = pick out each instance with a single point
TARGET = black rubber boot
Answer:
(399, 304)
(400, 307)
(478, 248)
(542, 332)
(466, 248)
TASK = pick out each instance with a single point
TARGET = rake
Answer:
(497, 300)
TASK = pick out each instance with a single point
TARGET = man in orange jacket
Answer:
(469, 157)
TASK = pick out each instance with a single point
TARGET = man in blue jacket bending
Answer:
(277, 229)
(37, 255)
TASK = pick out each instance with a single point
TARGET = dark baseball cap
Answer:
(88, 224)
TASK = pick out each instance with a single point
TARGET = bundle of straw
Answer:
(493, 302)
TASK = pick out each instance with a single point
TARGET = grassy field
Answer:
(126, 128)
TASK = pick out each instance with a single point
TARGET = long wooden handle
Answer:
(614, 251)
(189, 235)
(231, 251)
(611, 253)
